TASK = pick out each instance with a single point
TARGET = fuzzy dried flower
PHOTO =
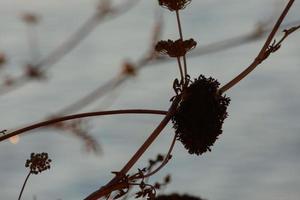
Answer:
(173, 5)
(200, 115)
(38, 162)
(176, 48)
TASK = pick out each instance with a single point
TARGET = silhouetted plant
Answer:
(37, 163)
(197, 111)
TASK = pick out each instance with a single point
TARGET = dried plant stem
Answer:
(103, 190)
(24, 184)
(82, 115)
(262, 54)
(181, 37)
(180, 68)
(165, 161)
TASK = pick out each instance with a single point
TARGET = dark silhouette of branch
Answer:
(266, 50)
(77, 116)
(105, 190)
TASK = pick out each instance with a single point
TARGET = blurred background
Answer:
(256, 157)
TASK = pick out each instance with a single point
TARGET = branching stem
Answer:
(103, 190)
(262, 54)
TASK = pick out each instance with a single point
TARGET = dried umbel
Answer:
(177, 197)
(200, 115)
(174, 5)
(176, 48)
(38, 162)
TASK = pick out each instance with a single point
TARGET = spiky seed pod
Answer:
(176, 48)
(38, 162)
(200, 115)
(174, 5)
(177, 197)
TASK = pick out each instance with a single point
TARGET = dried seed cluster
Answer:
(174, 5)
(38, 162)
(200, 115)
(176, 48)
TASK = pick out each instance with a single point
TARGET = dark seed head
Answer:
(200, 115)
(177, 197)
(173, 5)
(38, 162)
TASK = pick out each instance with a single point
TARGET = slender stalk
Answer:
(261, 56)
(20, 195)
(180, 69)
(81, 115)
(165, 161)
(179, 24)
(103, 190)
(181, 37)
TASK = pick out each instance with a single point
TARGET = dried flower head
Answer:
(173, 5)
(177, 197)
(175, 49)
(200, 115)
(38, 162)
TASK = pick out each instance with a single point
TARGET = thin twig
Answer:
(20, 195)
(263, 54)
(77, 116)
(165, 161)
(181, 37)
(180, 69)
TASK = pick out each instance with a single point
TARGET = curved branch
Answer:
(81, 115)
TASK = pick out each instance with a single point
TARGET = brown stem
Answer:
(20, 195)
(165, 161)
(81, 115)
(261, 56)
(181, 37)
(180, 68)
(103, 190)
